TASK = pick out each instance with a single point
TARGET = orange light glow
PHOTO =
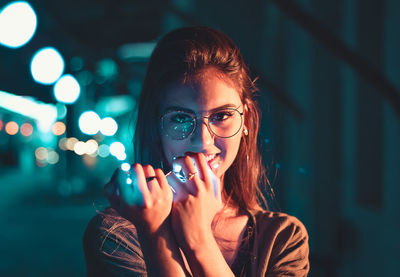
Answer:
(59, 128)
(1, 125)
(26, 129)
(89, 161)
(71, 143)
(11, 128)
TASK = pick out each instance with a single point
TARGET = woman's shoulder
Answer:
(108, 231)
(278, 221)
(281, 243)
(111, 246)
(107, 221)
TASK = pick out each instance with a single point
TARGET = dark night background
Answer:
(329, 92)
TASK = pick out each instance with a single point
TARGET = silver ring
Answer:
(191, 175)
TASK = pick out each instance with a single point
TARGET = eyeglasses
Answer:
(223, 123)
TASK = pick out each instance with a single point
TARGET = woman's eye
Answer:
(181, 118)
(221, 116)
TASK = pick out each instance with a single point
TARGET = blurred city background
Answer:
(328, 73)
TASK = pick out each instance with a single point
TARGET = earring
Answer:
(245, 132)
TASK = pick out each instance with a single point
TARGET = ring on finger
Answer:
(191, 175)
(151, 178)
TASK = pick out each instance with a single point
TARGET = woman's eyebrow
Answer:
(178, 108)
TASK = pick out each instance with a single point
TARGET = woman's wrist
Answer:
(196, 239)
(206, 259)
(161, 252)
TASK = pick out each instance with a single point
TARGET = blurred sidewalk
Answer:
(41, 232)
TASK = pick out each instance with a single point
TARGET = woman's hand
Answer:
(193, 214)
(144, 197)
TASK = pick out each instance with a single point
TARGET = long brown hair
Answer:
(179, 57)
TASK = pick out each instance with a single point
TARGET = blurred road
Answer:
(41, 232)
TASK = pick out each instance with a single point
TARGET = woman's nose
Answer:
(201, 136)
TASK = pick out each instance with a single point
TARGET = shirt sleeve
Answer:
(111, 247)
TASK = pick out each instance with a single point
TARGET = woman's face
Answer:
(208, 94)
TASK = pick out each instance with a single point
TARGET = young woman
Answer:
(197, 117)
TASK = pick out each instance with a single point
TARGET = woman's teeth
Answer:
(212, 161)
(210, 157)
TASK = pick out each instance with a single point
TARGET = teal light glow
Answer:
(61, 111)
(115, 105)
(44, 114)
(103, 151)
(47, 66)
(18, 24)
(67, 89)
(136, 51)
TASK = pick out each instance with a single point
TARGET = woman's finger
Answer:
(205, 169)
(194, 183)
(211, 181)
(162, 179)
(132, 190)
(180, 191)
(151, 178)
(181, 172)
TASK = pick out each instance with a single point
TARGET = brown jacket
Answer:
(275, 244)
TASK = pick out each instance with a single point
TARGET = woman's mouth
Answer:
(212, 160)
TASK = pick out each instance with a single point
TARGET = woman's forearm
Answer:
(161, 253)
(206, 259)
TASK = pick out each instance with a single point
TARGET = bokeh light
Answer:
(91, 146)
(121, 156)
(104, 150)
(80, 148)
(1, 125)
(63, 144)
(125, 166)
(58, 128)
(52, 157)
(26, 129)
(42, 163)
(11, 128)
(71, 143)
(108, 126)
(47, 66)
(89, 123)
(117, 149)
(18, 24)
(41, 153)
(67, 89)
